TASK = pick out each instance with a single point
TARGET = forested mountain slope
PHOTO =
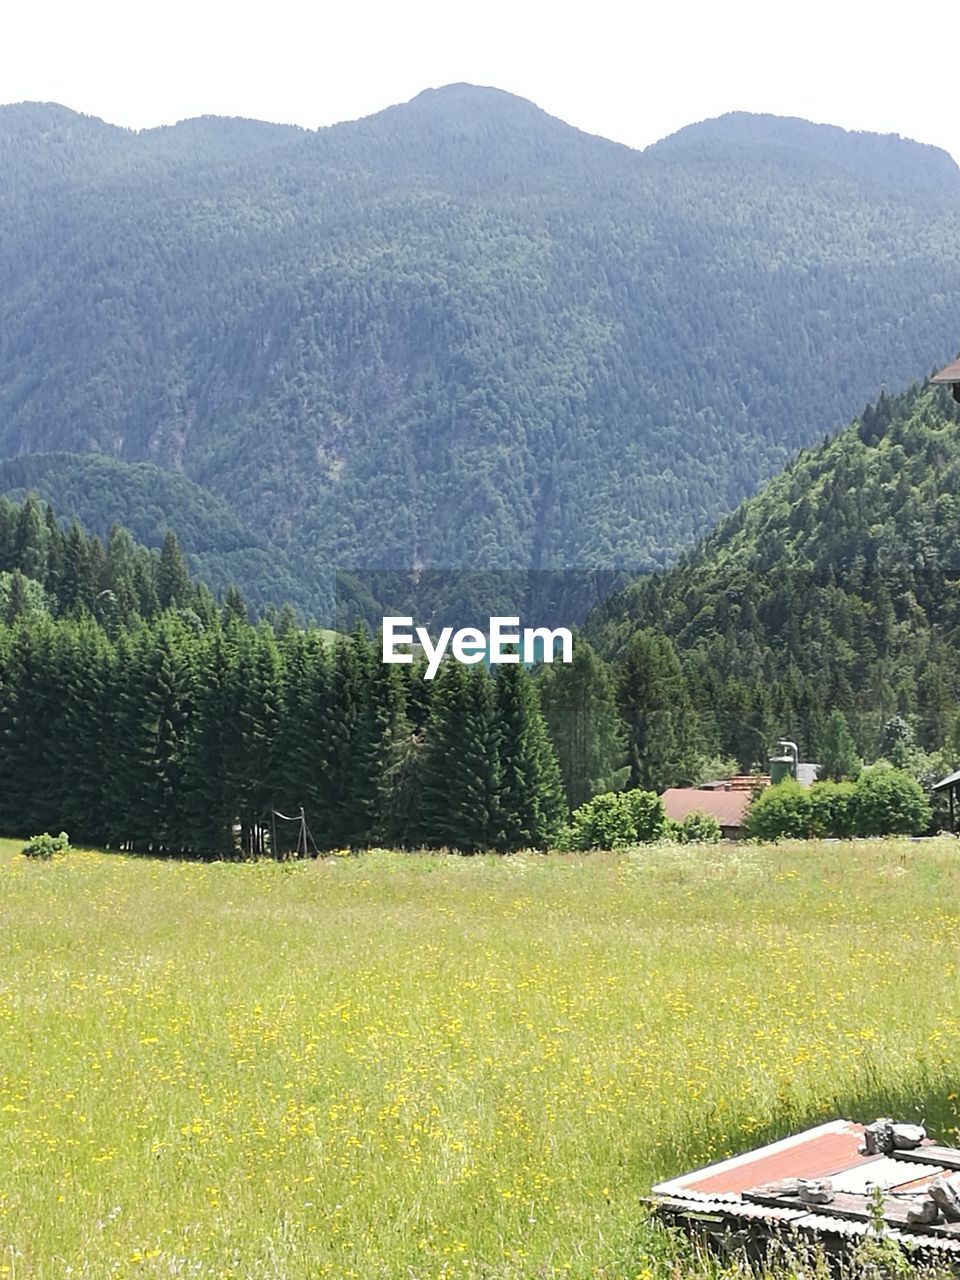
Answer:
(460, 332)
(100, 491)
(837, 586)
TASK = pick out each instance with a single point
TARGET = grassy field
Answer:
(412, 1066)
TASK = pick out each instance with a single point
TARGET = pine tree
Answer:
(349, 785)
(532, 806)
(253, 701)
(29, 543)
(56, 545)
(121, 576)
(387, 756)
(210, 804)
(838, 757)
(30, 794)
(77, 588)
(173, 582)
(579, 705)
(662, 731)
(459, 796)
(234, 608)
(85, 690)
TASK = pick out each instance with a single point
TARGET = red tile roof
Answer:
(728, 807)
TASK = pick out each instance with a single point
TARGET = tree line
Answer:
(174, 739)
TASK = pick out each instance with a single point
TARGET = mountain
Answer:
(458, 332)
(99, 491)
(836, 587)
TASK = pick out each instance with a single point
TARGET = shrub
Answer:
(888, 802)
(700, 828)
(616, 818)
(604, 822)
(646, 814)
(45, 846)
(780, 810)
(882, 802)
(833, 809)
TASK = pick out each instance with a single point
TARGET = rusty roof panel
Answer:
(921, 1175)
(728, 807)
(817, 1153)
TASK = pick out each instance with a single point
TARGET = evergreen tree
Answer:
(532, 806)
(234, 608)
(29, 543)
(210, 803)
(85, 687)
(459, 797)
(29, 746)
(56, 546)
(173, 581)
(838, 757)
(388, 757)
(662, 737)
(253, 701)
(345, 747)
(579, 705)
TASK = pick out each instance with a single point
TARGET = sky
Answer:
(634, 72)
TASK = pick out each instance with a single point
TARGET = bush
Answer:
(882, 802)
(888, 802)
(616, 818)
(833, 809)
(700, 828)
(45, 846)
(646, 814)
(781, 810)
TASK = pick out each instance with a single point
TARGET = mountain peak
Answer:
(887, 159)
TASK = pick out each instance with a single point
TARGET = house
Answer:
(723, 802)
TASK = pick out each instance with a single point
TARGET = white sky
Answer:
(632, 72)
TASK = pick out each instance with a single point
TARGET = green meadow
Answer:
(414, 1066)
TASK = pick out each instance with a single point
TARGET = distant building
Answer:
(728, 806)
(951, 376)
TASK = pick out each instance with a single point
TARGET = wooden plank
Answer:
(946, 1157)
(848, 1205)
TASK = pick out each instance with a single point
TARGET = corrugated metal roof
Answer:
(815, 1153)
(728, 807)
(950, 374)
(947, 781)
(880, 1172)
(760, 1186)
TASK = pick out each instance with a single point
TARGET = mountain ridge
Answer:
(834, 587)
(451, 335)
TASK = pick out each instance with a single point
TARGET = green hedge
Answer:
(882, 802)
